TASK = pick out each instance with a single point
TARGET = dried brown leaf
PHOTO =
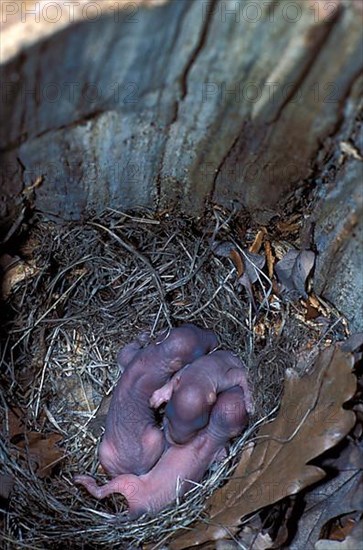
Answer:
(15, 274)
(315, 302)
(257, 243)
(253, 263)
(248, 265)
(331, 499)
(223, 248)
(15, 422)
(227, 249)
(288, 228)
(310, 421)
(270, 259)
(352, 542)
(314, 308)
(293, 270)
(311, 311)
(237, 260)
(42, 451)
(342, 528)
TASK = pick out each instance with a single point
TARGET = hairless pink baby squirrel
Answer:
(179, 466)
(192, 392)
(132, 442)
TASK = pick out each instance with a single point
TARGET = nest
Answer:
(89, 289)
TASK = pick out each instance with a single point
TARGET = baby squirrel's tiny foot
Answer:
(220, 455)
(250, 406)
(89, 483)
(160, 396)
(156, 399)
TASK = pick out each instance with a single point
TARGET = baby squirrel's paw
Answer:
(157, 399)
(89, 483)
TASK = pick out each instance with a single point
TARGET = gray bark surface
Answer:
(178, 105)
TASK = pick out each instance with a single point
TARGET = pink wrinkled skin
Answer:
(192, 392)
(171, 477)
(132, 442)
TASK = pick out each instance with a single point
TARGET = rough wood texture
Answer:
(114, 121)
(176, 104)
(338, 213)
(339, 241)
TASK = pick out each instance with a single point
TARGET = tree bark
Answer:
(177, 104)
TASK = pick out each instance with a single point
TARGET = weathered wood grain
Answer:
(337, 213)
(106, 118)
(174, 104)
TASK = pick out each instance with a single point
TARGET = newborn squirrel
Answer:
(192, 392)
(132, 442)
(179, 466)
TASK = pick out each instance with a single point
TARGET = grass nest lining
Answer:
(90, 289)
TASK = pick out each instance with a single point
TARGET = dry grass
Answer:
(94, 287)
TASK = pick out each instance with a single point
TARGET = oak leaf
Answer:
(227, 249)
(333, 498)
(293, 270)
(310, 421)
(352, 542)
